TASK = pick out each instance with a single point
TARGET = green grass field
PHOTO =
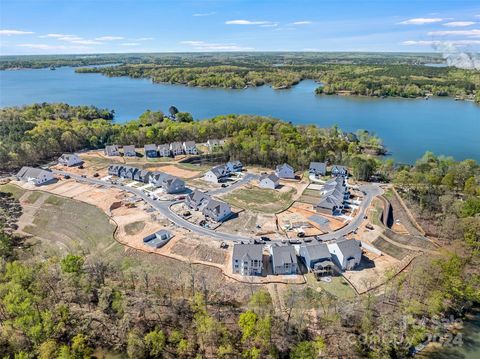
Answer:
(16, 191)
(338, 287)
(260, 199)
(391, 249)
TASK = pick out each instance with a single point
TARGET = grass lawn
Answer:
(190, 166)
(32, 197)
(134, 227)
(338, 287)
(261, 199)
(97, 163)
(16, 191)
(391, 249)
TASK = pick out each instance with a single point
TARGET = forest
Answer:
(41, 132)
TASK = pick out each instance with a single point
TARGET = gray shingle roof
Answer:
(282, 255)
(349, 247)
(272, 176)
(248, 251)
(317, 251)
(318, 166)
(284, 165)
(31, 172)
(150, 147)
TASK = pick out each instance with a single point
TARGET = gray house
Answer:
(129, 151)
(114, 170)
(197, 200)
(234, 166)
(164, 150)
(346, 253)
(213, 143)
(317, 258)
(318, 168)
(150, 151)
(284, 260)
(285, 171)
(247, 259)
(329, 205)
(128, 172)
(37, 176)
(176, 148)
(69, 159)
(270, 181)
(190, 148)
(216, 174)
(142, 176)
(338, 170)
(112, 150)
(216, 210)
(171, 184)
(158, 239)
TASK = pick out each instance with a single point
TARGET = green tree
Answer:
(72, 263)
(155, 343)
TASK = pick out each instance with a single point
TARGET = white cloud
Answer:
(130, 44)
(85, 42)
(273, 24)
(421, 21)
(206, 46)
(57, 36)
(301, 22)
(144, 39)
(205, 14)
(247, 22)
(437, 42)
(469, 33)
(109, 38)
(459, 23)
(74, 39)
(14, 32)
(52, 47)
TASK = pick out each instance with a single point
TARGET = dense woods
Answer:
(41, 132)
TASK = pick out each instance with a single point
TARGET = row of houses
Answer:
(333, 195)
(153, 151)
(211, 208)
(220, 173)
(169, 183)
(320, 258)
(320, 169)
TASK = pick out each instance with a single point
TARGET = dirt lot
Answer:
(251, 223)
(174, 170)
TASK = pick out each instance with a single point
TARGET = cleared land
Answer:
(260, 199)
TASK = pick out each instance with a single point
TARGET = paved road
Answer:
(246, 178)
(163, 207)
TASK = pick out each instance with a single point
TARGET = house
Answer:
(155, 179)
(338, 170)
(247, 259)
(129, 151)
(114, 170)
(213, 143)
(216, 174)
(128, 172)
(197, 200)
(285, 171)
(329, 205)
(142, 176)
(317, 258)
(270, 181)
(284, 260)
(346, 253)
(112, 150)
(37, 176)
(190, 148)
(69, 159)
(158, 239)
(216, 210)
(176, 148)
(234, 166)
(164, 150)
(318, 168)
(150, 151)
(171, 184)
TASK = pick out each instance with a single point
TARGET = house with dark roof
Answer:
(216, 210)
(285, 171)
(128, 172)
(269, 181)
(150, 151)
(112, 150)
(69, 160)
(37, 176)
(234, 166)
(318, 168)
(197, 200)
(346, 253)
(158, 239)
(338, 170)
(176, 148)
(164, 150)
(216, 174)
(129, 151)
(329, 205)
(247, 259)
(317, 258)
(114, 170)
(284, 259)
(190, 148)
(171, 184)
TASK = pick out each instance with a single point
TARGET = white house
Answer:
(247, 259)
(164, 150)
(129, 151)
(234, 166)
(69, 159)
(285, 171)
(346, 253)
(37, 176)
(284, 259)
(213, 143)
(318, 168)
(270, 181)
(217, 210)
(112, 150)
(338, 170)
(176, 148)
(216, 174)
(190, 148)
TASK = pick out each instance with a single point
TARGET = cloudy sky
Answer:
(104, 26)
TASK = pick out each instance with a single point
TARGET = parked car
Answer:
(300, 234)
(181, 198)
(83, 176)
(223, 245)
(266, 239)
(369, 226)
(81, 167)
(186, 214)
(66, 177)
(224, 185)
(96, 174)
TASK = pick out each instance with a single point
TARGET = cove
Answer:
(408, 127)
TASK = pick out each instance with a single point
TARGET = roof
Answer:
(247, 251)
(339, 168)
(189, 143)
(235, 163)
(328, 202)
(320, 166)
(215, 205)
(272, 176)
(284, 166)
(198, 196)
(176, 145)
(349, 247)
(111, 147)
(213, 141)
(150, 147)
(129, 148)
(282, 255)
(164, 146)
(317, 251)
(66, 156)
(218, 171)
(31, 172)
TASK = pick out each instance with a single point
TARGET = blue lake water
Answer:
(409, 127)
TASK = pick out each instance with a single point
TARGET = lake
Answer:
(409, 127)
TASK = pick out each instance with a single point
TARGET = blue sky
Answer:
(104, 26)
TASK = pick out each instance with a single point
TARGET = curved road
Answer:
(163, 207)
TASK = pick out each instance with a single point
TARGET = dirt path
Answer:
(405, 246)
